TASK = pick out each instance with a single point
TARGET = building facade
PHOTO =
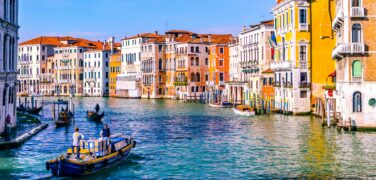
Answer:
(255, 57)
(355, 56)
(115, 69)
(129, 81)
(8, 61)
(153, 67)
(32, 64)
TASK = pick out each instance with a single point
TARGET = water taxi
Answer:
(94, 156)
(244, 110)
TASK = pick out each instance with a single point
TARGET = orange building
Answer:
(115, 69)
(267, 90)
(219, 63)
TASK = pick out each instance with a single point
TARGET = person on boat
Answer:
(77, 137)
(106, 131)
(97, 108)
(8, 127)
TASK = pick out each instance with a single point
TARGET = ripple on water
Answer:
(190, 141)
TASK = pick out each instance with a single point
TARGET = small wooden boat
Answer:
(21, 108)
(244, 110)
(35, 111)
(94, 116)
(94, 156)
(64, 118)
(221, 105)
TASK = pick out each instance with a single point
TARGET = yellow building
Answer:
(115, 69)
(303, 41)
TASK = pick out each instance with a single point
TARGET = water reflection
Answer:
(184, 141)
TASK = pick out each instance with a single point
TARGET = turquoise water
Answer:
(195, 141)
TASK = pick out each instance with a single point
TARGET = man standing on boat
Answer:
(106, 131)
(77, 137)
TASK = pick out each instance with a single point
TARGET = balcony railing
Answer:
(338, 19)
(287, 84)
(303, 64)
(282, 65)
(356, 79)
(357, 12)
(303, 27)
(304, 85)
(210, 83)
(348, 48)
(277, 84)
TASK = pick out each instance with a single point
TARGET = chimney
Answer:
(156, 32)
(209, 38)
(244, 28)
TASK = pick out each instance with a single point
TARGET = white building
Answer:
(96, 70)
(32, 63)
(235, 87)
(355, 55)
(129, 81)
(8, 61)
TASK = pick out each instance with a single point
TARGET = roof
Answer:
(333, 74)
(269, 22)
(160, 39)
(179, 32)
(46, 40)
(143, 35)
(204, 38)
(268, 71)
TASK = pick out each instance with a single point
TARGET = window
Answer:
(193, 89)
(357, 102)
(197, 61)
(355, 3)
(192, 77)
(198, 77)
(303, 53)
(197, 49)
(206, 77)
(357, 69)
(221, 78)
(206, 61)
(303, 94)
(192, 61)
(356, 33)
(221, 62)
(192, 49)
(221, 50)
(302, 16)
(303, 77)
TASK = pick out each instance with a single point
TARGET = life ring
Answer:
(134, 144)
(48, 166)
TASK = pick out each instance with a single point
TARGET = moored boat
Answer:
(35, 110)
(221, 105)
(244, 110)
(64, 116)
(95, 155)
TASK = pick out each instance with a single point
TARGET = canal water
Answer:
(195, 141)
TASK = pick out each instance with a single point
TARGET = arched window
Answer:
(197, 61)
(356, 33)
(357, 102)
(198, 79)
(160, 64)
(193, 77)
(355, 3)
(357, 69)
(4, 96)
(192, 61)
(5, 51)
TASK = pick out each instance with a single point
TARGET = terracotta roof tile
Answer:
(144, 35)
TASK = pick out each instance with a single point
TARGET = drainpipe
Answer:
(310, 47)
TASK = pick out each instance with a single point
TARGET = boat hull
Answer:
(95, 117)
(221, 105)
(67, 168)
(243, 113)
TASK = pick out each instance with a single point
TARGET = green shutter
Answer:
(357, 69)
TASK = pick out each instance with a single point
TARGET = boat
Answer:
(34, 110)
(95, 155)
(21, 108)
(221, 105)
(95, 115)
(244, 110)
(64, 116)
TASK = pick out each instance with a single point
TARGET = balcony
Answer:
(277, 84)
(222, 83)
(65, 68)
(304, 85)
(303, 64)
(282, 65)
(356, 79)
(338, 19)
(348, 48)
(181, 83)
(357, 12)
(44, 75)
(25, 62)
(303, 27)
(287, 84)
(210, 83)
(63, 81)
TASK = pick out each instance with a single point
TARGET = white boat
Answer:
(221, 105)
(244, 111)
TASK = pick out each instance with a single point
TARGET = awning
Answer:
(333, 74)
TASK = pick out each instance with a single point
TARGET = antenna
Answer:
(166, 26)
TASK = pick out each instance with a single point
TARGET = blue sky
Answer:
(99, 19)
